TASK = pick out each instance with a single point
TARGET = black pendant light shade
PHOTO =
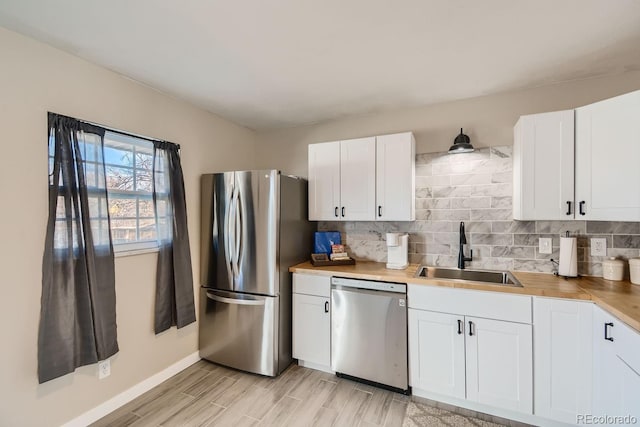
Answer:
(462, 144)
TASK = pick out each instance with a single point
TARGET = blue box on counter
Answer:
(323, 240)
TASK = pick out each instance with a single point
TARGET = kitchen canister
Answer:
(613, 269)
(634, 268)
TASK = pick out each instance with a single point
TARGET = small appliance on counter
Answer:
(397, 251)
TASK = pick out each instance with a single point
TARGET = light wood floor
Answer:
(209, 395)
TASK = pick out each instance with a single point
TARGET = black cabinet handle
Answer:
(326, 306)
(379, 210)
(335, 212)
(470, 328)
(582, 207)
(459, 327)
(568, 208)
(343, 211)
(606, 331)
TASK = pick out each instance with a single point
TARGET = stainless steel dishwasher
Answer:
(369, 332)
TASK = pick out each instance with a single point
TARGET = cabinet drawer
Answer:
(489, 305)
(310, 284)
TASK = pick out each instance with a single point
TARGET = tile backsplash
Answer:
(477, 188)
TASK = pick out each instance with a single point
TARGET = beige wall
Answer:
(34, 79)
(488, 120)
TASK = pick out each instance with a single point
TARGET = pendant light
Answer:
(462, 144)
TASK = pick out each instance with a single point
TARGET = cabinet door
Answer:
(563, 359)
(436, 352)
(499, 364)
(607, 158)
(395, 177)
(358, 179)
(543, 156)
(616, 387)
(311, 329)
(324, 181)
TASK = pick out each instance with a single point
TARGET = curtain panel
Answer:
(174, 304)
(78, 311)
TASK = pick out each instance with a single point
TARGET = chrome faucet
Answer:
(463, 241)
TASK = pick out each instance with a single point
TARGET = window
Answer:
(128, 164)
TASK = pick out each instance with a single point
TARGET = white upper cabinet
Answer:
(395, 182)
(358, 179)
(363, 179)
(581, 165)
(608, 159)
(324, 181)
(543, 153)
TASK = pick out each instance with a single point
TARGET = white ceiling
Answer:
(277, 63)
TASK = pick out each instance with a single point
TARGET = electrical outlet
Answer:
(544, 245)
(104, 369)
(598, 247)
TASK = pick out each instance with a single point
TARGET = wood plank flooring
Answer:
(210, 395)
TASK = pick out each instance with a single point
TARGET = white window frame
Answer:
(140, 246)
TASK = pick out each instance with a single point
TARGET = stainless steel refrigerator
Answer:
(254, 227)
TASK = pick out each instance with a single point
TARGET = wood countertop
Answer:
(622, 299)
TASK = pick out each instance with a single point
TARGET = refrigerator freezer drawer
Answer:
(239, 330)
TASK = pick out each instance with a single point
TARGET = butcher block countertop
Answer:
(622, 299)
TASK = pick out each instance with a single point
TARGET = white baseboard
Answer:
(128, 395)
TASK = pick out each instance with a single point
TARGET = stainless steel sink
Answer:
(486, 276)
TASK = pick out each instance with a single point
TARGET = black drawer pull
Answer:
(379, 210)
(343, 211)
(470, 328)
(606, 331)
(581, 205)
(568, 208)
(459, 327)
(335, 212)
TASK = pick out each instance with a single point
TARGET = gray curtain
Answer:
(174, 277)
(78, 305)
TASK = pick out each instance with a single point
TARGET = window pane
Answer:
(122, 207)
(123, 230)
(145, 208)
(90, 175)
(148, 229)
(115, 156)
(143, 180)
(119, 178)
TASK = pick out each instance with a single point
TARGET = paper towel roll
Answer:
(393, 239)
(568, 264)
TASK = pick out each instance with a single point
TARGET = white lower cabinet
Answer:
(436, 352)
(616, 370)
(488, 361)
(499, 364)
(563, 357)
(311, 328)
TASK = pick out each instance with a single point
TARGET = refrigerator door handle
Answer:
(228, 240)
(238, 235)
(235, 301)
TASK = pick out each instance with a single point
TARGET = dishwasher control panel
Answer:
(370, 284)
